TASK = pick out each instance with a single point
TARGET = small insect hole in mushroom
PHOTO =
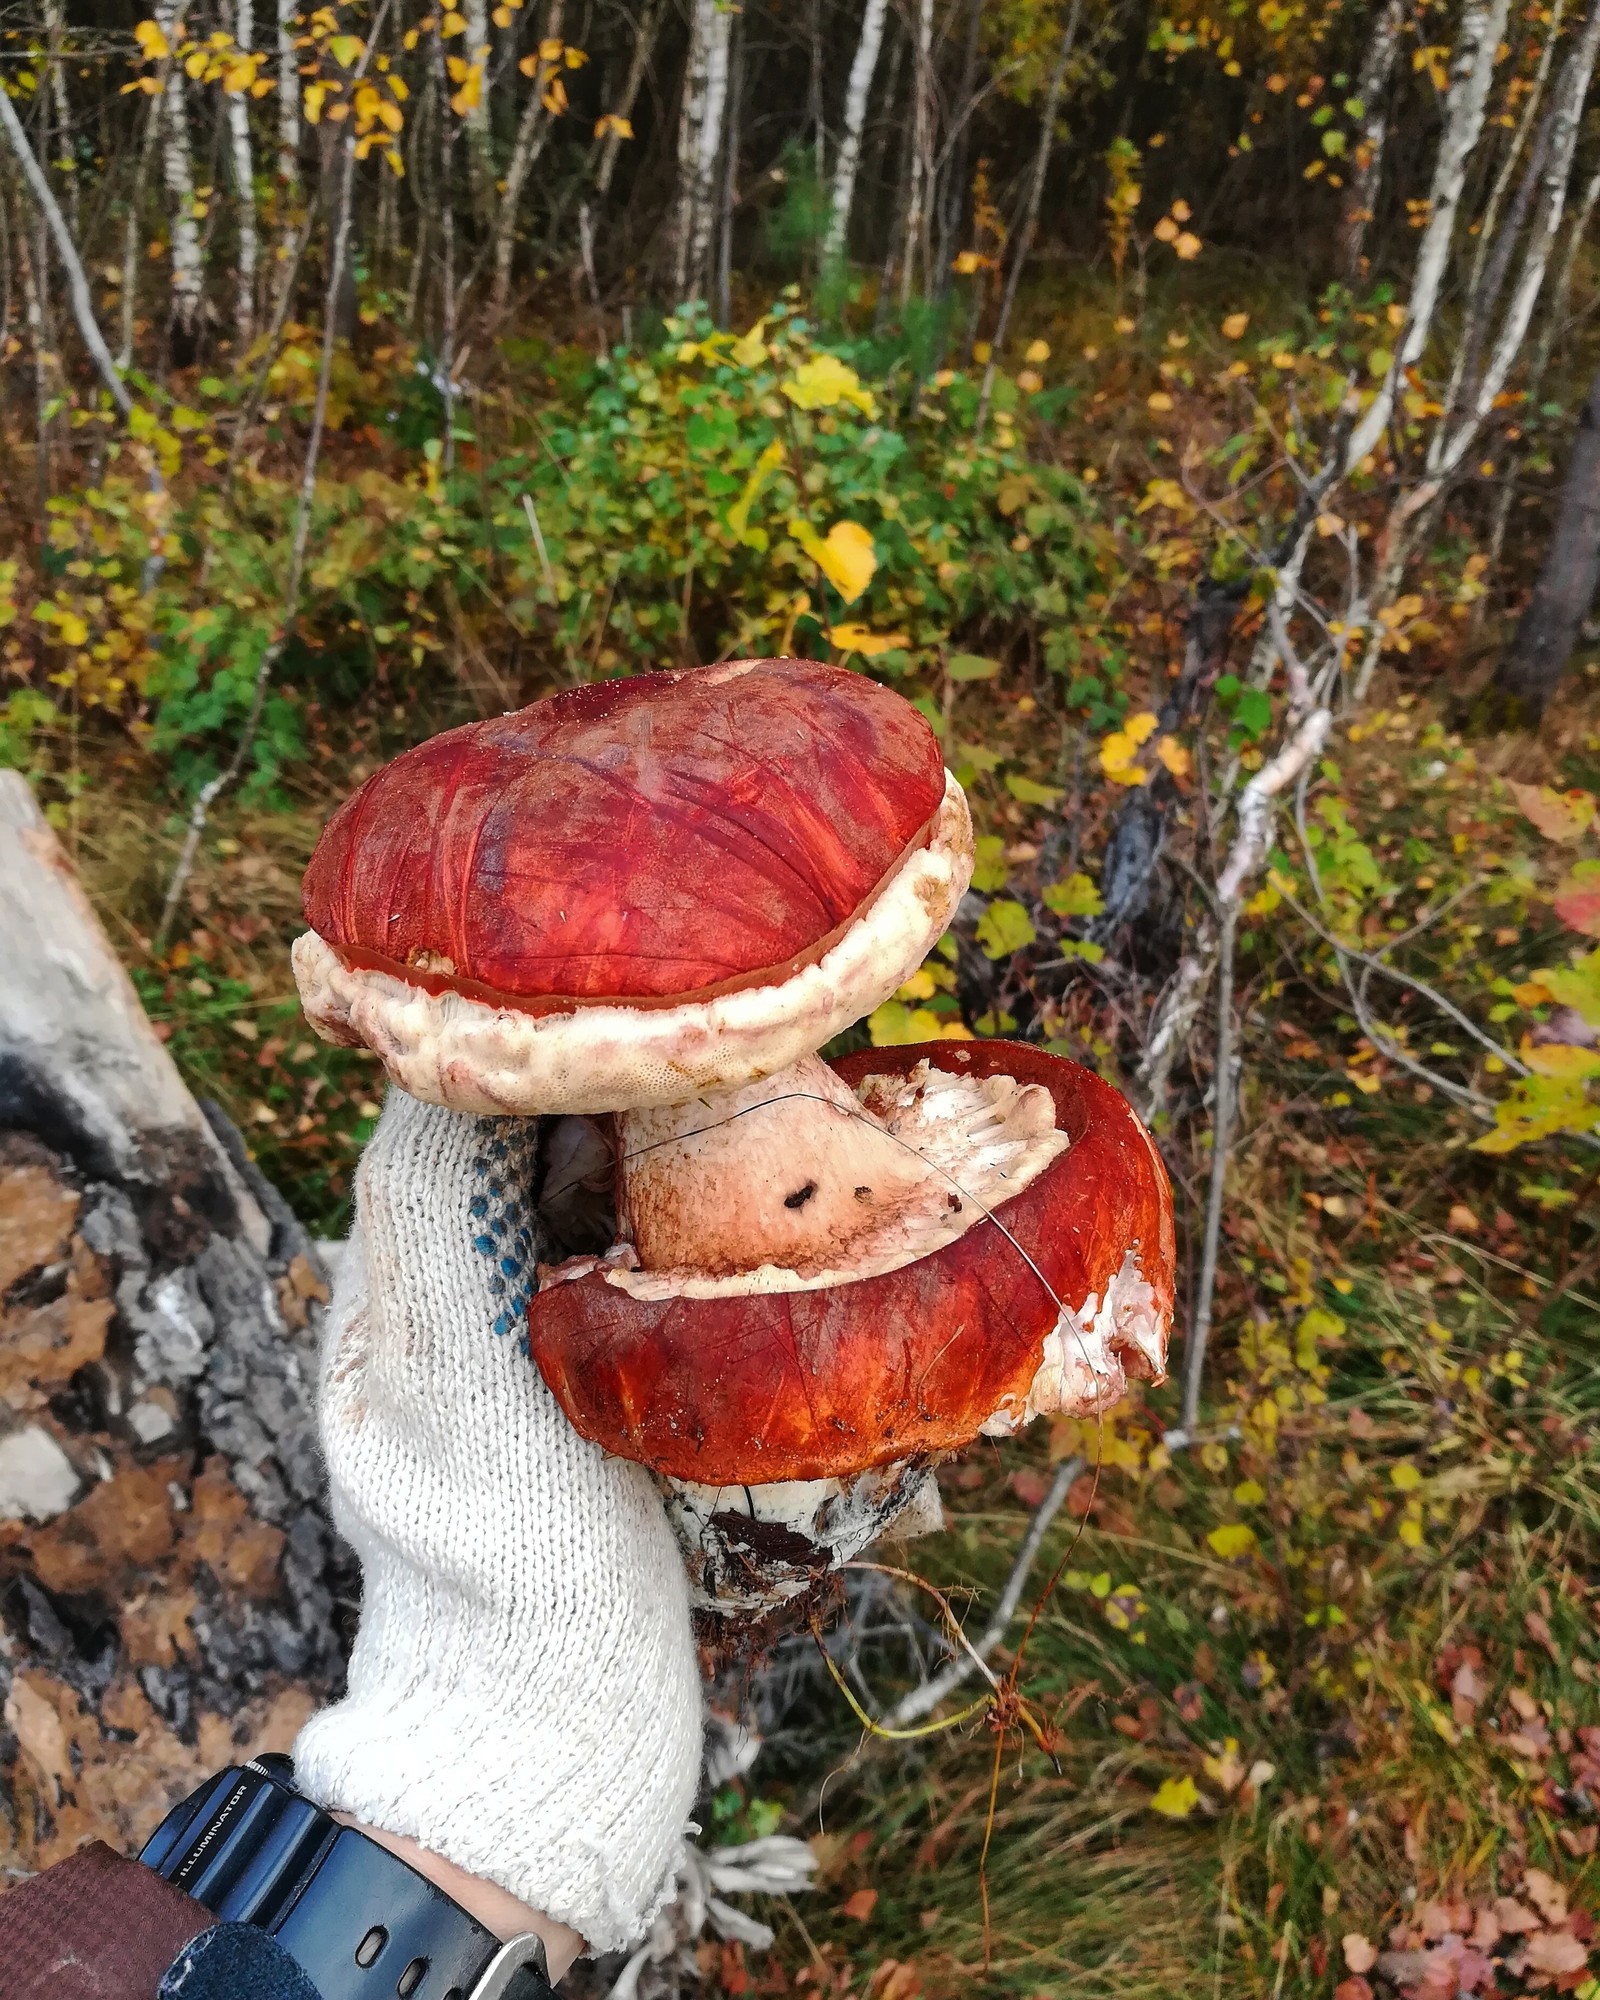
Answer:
(800, 1196)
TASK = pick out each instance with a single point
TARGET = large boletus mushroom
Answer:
(638, 910)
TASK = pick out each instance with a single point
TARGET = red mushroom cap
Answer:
(658, 838)
(827, 1383)
(634, 891)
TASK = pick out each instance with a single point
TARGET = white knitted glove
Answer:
(523, 1694)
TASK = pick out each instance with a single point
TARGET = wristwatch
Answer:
(361, 1923)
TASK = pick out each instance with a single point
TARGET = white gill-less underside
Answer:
(823, 1523)
(966, 1145)
(470, 1056)
(1082, 1372)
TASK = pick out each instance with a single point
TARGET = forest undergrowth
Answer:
(1315, 1685)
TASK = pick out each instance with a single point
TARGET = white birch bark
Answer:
(178, 168)
(55, 21)
(705, 101)
(244, 179)
(857, 94)
(1456, 439)
(288, 95)
(533, 128)
(921, 175)
(477, 120)
(1367, 164)
(1471, 73)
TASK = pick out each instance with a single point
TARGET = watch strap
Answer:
(360, 1922)
(94, 1927)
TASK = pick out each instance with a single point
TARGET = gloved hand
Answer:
(523, 1695)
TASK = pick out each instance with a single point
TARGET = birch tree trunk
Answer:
(55, 21)
(1471, 73)
(244, 176)
(532, 130)
(848, 163)
(172, 1580)
(1548, 631)
(705, 100)
(178, 167)
(1366, 168)
(921, 174)
(288, 96)
(480, 163)
(643, 46)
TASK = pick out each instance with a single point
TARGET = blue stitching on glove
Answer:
(505, 1170)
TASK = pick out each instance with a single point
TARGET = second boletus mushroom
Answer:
(637, 911)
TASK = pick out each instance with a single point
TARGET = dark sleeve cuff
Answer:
(235, 1962)
(95, 1927)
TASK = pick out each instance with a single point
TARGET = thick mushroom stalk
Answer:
(797, 1178)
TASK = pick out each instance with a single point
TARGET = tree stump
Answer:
(171, 1594)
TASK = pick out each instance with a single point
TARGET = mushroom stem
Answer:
(800, 1173)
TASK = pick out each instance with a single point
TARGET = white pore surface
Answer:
(1082, 1371)
(470, 1056)
(978, 1140)
(837, 1518)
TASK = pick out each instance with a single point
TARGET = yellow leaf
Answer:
(750, 349)
(1160, 402)
(1233, 1538)
(823, 381)
(1166, 230)
(471, 92)
(153, 45)
(1038, 350)
(1188, 246)
(1329, 524)
(1234, 325)
(312, 102)
(554, 97)
(72, 629)
(1141, 727)
(452, 24)
(1568, 1064)
(346, 50)
(1560, 816)
(857, 639)
(1175, 1798)
(1404, 1477)
(965, 263)
(613, 126)
(1173, 754)
(1182, 211)
(765, 465)
(846, 557)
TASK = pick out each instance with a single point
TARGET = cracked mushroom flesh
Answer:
(639, 909)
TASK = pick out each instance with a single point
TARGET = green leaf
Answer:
(971, 667)
(1005, 927)
(1075, 897)
(1029, 793)
(989, 873)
